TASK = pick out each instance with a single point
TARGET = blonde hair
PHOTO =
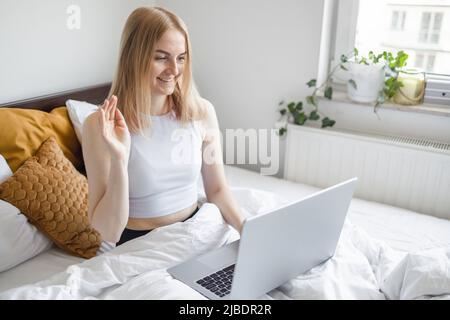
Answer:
(131, 84)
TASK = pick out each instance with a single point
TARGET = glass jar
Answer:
(413, 89)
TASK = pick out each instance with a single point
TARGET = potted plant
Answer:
(366, 77)
(374, 79)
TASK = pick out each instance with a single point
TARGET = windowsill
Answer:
(340, 95)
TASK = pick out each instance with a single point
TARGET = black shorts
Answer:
(129, 234)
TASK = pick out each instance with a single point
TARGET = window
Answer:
(424, 61)
(398, 20)
(417, 27)
(424, 26)
(394, 22)
(436, 27)
(430, 28)
(402, 26)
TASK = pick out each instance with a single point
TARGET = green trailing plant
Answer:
(299, 112)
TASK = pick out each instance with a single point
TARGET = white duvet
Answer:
(362, 268)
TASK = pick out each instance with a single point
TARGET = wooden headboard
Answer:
(92, 94)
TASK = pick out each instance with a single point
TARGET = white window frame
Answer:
(338, 35)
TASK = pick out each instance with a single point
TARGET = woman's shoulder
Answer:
(206, 118)
(206, 110)
(205, 103)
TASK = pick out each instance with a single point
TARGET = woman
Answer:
(135, 182)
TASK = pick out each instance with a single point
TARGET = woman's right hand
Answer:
(114, 130)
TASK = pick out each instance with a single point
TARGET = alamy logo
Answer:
(74, 18)
(252, 147)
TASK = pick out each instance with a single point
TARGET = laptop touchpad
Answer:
(221, 257)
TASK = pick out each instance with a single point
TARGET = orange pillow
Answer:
(22, 132)
(53, 195)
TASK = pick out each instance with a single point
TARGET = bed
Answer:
(384, 252)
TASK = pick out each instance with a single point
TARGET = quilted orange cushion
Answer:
(22, 132)
(53, 195)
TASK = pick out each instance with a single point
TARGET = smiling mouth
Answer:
(165, 80)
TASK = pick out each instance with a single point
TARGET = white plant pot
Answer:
(369, 80)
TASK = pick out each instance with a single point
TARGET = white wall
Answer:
(248, 55)
(40, 55)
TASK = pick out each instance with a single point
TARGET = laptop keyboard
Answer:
(218, 282)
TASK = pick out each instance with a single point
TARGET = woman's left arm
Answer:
(213, 174)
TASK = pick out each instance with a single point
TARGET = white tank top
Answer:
(164, 167)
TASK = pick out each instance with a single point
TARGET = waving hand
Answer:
(114, 129)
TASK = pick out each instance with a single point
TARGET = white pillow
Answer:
(5, 170)
(78, 112)
(19, 240)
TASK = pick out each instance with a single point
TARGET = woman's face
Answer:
(167, 62)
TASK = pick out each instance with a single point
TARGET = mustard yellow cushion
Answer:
(53, 195)
(22, 132)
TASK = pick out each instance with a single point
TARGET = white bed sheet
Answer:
(401, 229)
(38, 268)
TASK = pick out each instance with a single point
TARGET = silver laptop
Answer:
(274, 247)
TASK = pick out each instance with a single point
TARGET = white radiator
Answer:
(403, 172)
